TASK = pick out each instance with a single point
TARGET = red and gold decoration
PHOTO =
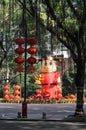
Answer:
(19, 51)
(11, 96)
(6, 92)
(49, 78)
(19, 41)
(31, 69)
(17, 92)
(31, 50)
(32, 41)
(19, 60)
(19, 68)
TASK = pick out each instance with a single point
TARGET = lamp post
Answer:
(31, 60)
(24, 104)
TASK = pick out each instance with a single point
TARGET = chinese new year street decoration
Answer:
(32, 41)
(17, 95)
(49, 79)
(32, 50)
(19, 51)
(28, 66)
(6, 92)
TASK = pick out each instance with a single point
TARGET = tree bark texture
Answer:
(79, 81)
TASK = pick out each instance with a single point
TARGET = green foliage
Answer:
(31, 88)
(30, 84)
(68, 83)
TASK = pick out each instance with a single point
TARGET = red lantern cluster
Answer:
(17, 92)
(19, 50)
(32, 50)
(6, 92)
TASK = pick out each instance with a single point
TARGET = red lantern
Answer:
(19, 50)
(17, 97)
(59, 96)
(6, 92)
(59, 91)
(19, 59)
(31, 60)
(32, 50)
(72, 96)
(6, 97)
(19, 68)
(11, 96)
(19, 41)
(31, 69)
(38, 91)
(47, 94)
(6, 87)
(66, 97)
(32, 41)
(17, 92)
(17, 87)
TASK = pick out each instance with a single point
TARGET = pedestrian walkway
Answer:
(38, 112)
(56, 117)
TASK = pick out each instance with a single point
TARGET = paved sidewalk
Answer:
(55, 117)
(54, 112)
(35, 111)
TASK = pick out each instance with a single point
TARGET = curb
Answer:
(67, 119)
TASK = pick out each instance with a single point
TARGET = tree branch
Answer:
(73, 9)
(56, 19)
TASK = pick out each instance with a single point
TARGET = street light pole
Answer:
(24, 104)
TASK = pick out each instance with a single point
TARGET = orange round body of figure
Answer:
(49, 78)
(50, 83)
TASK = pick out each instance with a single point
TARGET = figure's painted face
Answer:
(48, 65)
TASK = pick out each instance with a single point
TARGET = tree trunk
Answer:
(79, 81)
